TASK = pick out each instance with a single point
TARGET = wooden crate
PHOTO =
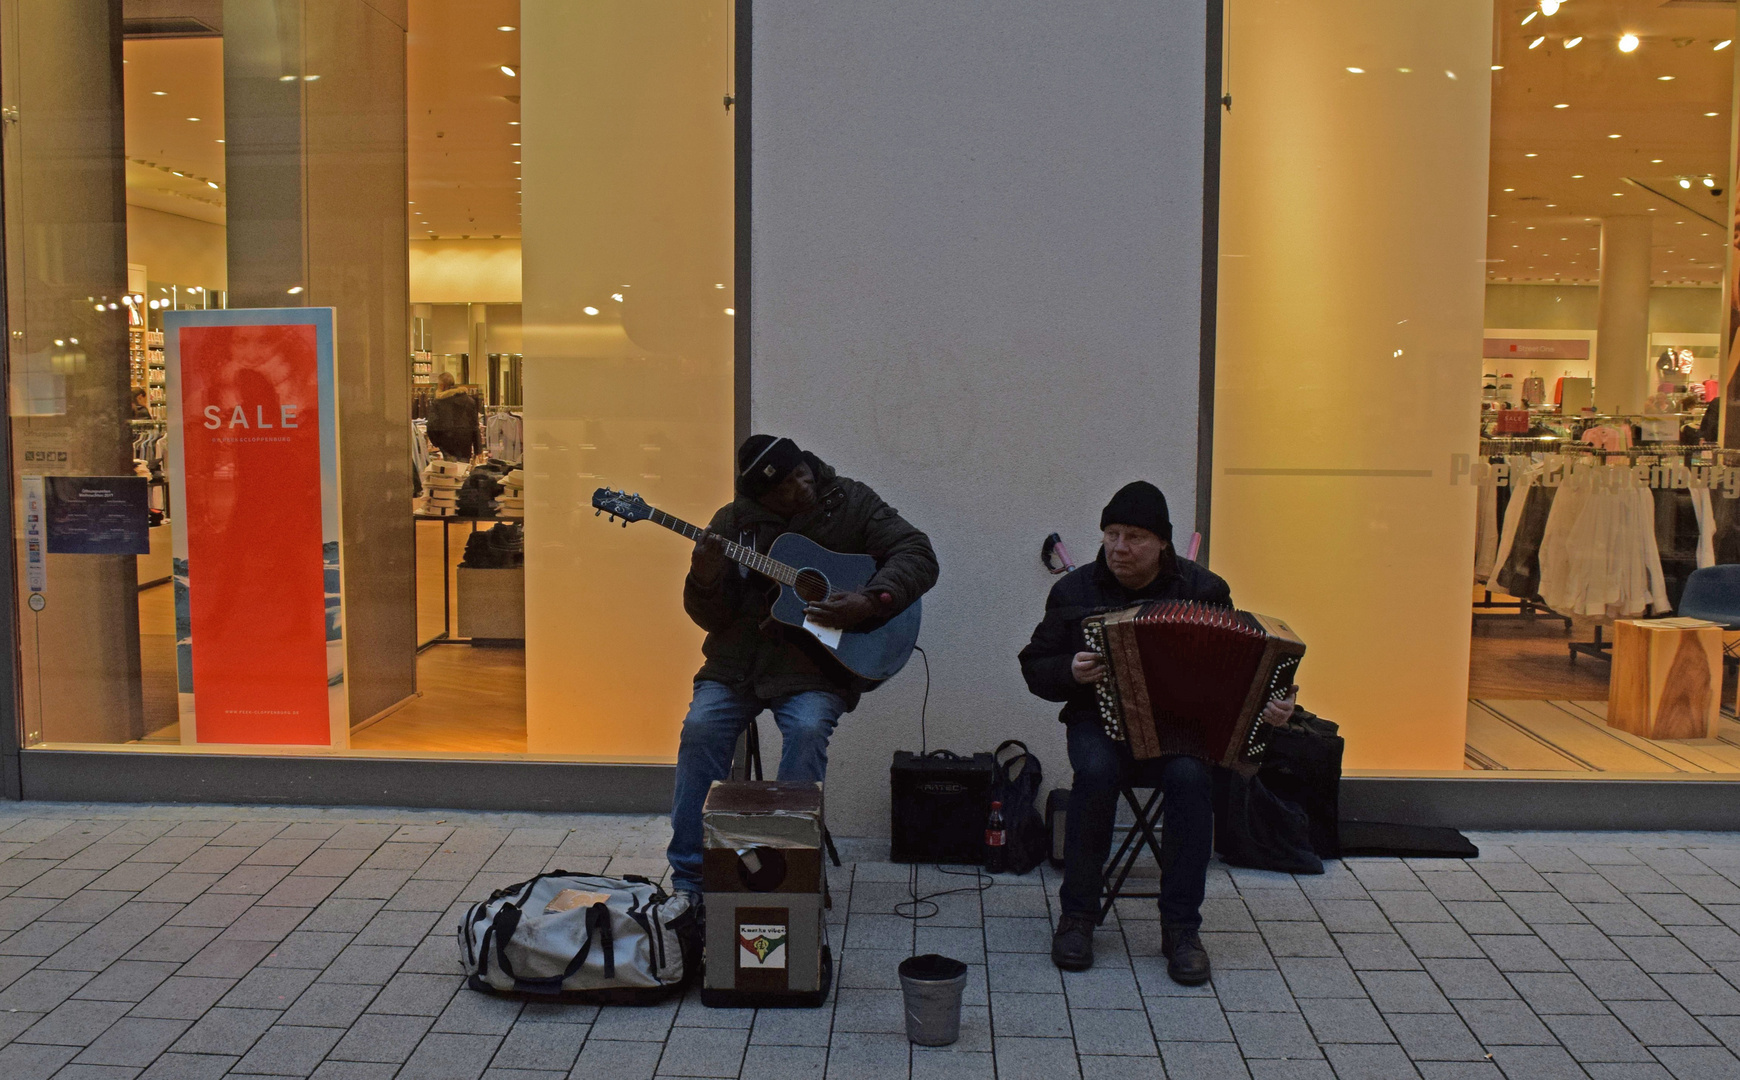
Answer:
(1667, 678)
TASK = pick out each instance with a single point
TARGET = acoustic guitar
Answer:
(806, 573)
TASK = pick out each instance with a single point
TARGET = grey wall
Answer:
(976, 259)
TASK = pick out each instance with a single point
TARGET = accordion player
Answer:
(1191, 678)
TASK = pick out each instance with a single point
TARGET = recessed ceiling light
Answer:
(211, 184)
(1628, 43)
(286, 78)
(1531, 155)
(1498, 67)
(1510, 189)
(159, 93)
(219, 140)
(310, 78)
(1664, 78)
(294, 290)
(1655, 161)
(506, 29)
(590, 310)
(730, 311)
(1720, 45)
(1710, 114)
(1577, 176)
(510, 72)
(1356, 71)
(1406, 71)
(1562, 105)
(513, 123)
(1572, 43)
(1613, 136)
(1529, 18)
(1536, 43)
(193, 119)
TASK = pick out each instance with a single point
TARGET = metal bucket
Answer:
(932, 986)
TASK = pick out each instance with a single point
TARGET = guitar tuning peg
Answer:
(595, 513)
(613, 519)
(625, 524)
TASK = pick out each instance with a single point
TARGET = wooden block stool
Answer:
(1667, 678)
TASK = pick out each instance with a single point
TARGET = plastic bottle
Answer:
(996, 853)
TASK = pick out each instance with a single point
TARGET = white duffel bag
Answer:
(579, 937)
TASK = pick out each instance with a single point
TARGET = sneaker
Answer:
(1072, 947)
(1186, 959)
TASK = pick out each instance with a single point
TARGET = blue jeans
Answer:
(717, 715)
(1102, 768)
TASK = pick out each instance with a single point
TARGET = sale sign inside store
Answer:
(253, 479)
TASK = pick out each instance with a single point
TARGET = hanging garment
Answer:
(1598, 553)
(1486, 530)
(1534, 390)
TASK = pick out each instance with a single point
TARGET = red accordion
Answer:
(1188, 678)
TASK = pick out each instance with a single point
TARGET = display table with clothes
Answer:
(447, 636)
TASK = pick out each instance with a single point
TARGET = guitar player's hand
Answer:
(708, 563)
(841, 612)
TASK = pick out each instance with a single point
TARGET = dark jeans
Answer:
(1102, 768)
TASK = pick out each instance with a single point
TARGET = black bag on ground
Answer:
(1302, 766)
(1016, 785)
(1254, 828)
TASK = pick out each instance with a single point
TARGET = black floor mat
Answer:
(1404, 841)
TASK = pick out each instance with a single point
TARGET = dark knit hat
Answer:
(1140, 504)
(763, 461)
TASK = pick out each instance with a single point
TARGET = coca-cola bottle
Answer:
(996, 836)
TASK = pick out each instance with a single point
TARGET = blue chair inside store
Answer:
(1713, 593)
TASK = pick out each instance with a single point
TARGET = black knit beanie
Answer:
(1140, 504)
(763, 461)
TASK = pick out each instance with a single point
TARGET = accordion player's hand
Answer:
(1088, 668)
(1279, 711)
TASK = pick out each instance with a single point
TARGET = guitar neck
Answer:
(739, 553)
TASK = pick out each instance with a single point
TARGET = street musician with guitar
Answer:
(756, 661)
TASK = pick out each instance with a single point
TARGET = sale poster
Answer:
(253, 483)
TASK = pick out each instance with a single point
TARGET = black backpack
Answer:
(1015, 783)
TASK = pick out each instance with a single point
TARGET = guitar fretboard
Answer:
(748, 556)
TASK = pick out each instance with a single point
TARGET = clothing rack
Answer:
(1497, 446)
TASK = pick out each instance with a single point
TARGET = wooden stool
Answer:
(1667, 678)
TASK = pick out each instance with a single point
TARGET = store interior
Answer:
(1607, 244)
(463, 181)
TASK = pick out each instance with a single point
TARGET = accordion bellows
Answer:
(1189, 678)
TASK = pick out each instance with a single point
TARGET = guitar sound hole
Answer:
(811, 586)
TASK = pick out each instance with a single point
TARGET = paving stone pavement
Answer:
(197, 942)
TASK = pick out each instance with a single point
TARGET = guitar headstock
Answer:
(620, 504)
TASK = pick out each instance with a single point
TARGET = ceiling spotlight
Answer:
(1536, 43)
(159, 93)
(1498, 67)
(1562, 105)
(1550, 7)
(1710, 114)
(507, 29)
(1531, 155)
(1572, 43)
(286, 78)
(590, 310)
(1720, 45)
(1613, 136)
(730, 311)
(1510, 189)
(1577, 176)
(1664, 78)
(1529, 18)
(1655, 161)
(1709, 181)
(1628, 43)
(616, 296)
(510, 72)
(138, 298)
(1685, 183)
(193, 119)
(310, 78)
(211, 184)
(1356, 71)
(294, 290)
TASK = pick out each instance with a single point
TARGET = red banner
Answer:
(251, 474)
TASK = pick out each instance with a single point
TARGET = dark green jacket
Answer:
(744, 648)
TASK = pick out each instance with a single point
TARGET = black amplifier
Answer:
(940, 805)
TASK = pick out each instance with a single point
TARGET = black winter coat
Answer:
(745, 649)
(1046, 660)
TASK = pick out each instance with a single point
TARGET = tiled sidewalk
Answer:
(198, 942)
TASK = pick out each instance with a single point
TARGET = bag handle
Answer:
(1007, 770)
(597, 929)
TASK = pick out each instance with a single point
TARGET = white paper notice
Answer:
(827, 635)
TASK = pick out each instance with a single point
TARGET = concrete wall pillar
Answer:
(314, 104)
(1353, 229)
(1622, 378)
(67, 225)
